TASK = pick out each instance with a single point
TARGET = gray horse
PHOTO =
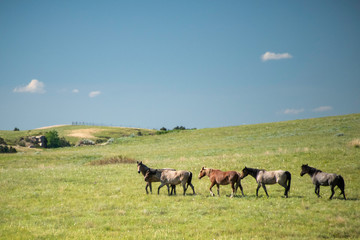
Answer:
(170, 177)
(320, 178)
(142, 168)
(263, 177)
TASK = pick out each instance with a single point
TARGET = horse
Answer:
(219, 177)
(171, 177)
(263, 177)
(320, 178)
(154, 177)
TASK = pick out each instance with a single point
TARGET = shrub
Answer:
(114, 160)
(85, 142)
(54, 141)
(16, 129)
(6, 149)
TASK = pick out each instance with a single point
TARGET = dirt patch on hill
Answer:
(53, 126)
(84, 133)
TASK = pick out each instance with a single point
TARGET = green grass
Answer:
(59, 194)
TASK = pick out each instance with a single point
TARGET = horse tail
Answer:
(189, 179)
(288, 175)
(341, 183)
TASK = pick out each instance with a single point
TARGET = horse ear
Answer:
(137, 162)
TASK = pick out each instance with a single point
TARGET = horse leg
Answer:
(185, 188)
(257, 190)
(168, 188)
(343, 193)
(218, 189)
(263, 185)
(286, 189)
(150, 187)
(241, 188)
(146, 187)
(317, 190)
(173, 189)
(342, 188)
(332, 191)
(192, 186)
(161, 185)
(233, 190)
(211, 192)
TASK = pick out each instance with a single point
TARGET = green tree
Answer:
(53, 140)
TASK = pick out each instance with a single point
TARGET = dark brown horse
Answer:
(320, 178)
(219, 177)
(154, 177)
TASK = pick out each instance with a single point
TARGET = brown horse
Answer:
(170, 177)
(219, 177)
(154, 177)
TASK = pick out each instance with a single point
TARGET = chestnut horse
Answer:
(219, 177)
(154, 177)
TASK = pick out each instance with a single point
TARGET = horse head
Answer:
(244, 172)
(304, 169)
(139, 164)
(202, 172)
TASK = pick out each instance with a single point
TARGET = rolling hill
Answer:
(95, 192)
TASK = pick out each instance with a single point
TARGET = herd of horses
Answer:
(171, 177)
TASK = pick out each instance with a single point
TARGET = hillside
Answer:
(74, 133)
(95, 192)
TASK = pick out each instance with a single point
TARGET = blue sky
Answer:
(198, 64)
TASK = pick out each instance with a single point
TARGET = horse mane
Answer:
(313, 170)
(146, 168)
(254, 171)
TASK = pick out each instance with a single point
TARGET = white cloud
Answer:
(75, 91)
(94, 94)
(293, 111)
(274, 56)
(322, 109)
(35, 86)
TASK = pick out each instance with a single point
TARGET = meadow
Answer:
(80, 193)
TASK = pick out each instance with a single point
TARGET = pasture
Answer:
(76, 193)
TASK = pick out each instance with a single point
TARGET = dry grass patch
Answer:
(355, 143)
(84, 133)
(113, 160)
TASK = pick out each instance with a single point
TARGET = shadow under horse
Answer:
(320, 178)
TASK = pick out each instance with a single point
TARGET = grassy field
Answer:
(59, 194)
